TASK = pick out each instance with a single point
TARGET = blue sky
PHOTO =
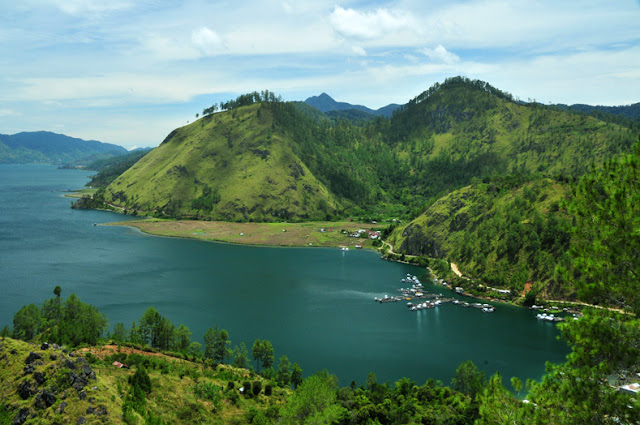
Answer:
(130, 71)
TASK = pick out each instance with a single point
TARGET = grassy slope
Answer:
(172, 398)
(253, 168)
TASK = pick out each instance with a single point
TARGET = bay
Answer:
(314, 304)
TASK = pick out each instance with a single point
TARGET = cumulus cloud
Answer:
(207, 41)
(368, 25)
(440, 54)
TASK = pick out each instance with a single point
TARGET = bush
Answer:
(208, 391)
(257, 387)
(141, 379)
(233, 397)
(247, 388)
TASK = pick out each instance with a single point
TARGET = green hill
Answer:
(505, 232)
(236, 165)
(463, 129)
(272, 160)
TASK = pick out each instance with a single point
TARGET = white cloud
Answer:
(81, 7)
(359, 51)
(207, 41)
(369, 25)
(440, 54)
(7, 112)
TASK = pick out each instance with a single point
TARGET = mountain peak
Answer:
(326, 103)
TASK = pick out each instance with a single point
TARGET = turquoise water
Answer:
(314, 304)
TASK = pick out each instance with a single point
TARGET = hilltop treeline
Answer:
(243, 100)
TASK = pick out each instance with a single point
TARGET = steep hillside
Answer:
(234, 165)
(505, 232)
(44, 146)
(463, 129)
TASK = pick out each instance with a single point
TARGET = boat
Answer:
(488, 309)
(344, 248)
(548, 317)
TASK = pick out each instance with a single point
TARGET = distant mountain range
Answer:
(326, 103)
(48, 147)
(631, 112)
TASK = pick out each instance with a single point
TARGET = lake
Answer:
(314, 304)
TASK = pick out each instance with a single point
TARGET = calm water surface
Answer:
(314, 304)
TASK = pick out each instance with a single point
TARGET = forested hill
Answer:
(263, 159)
(628, 115)
(44, 146)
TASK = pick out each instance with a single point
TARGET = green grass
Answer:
(174, 397)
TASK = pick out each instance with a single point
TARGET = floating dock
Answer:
(430, 300)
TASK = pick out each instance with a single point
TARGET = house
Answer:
(119, 365)
(372, 235)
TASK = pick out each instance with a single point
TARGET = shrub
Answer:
(208, 391)
(257, 387)
(141, 379)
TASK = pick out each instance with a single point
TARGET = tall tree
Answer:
(80, 323)
(119, 333)
(257, 353)
(221, 343)
(267, 354)
(296, 375)
(283, 374)
(241, 356)
(26, 322)
(469, 379)
(181, 339)
(209, 343)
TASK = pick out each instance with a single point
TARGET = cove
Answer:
(314, 304)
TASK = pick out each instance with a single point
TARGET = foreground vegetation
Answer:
(47, 384)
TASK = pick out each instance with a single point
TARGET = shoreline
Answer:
(254, 234)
